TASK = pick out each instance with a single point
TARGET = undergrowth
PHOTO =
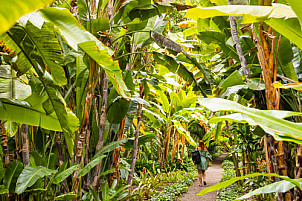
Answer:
(231, 192)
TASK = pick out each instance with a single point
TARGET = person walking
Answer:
(204, 164)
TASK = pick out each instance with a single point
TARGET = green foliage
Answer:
(11, 11)
(231, 192)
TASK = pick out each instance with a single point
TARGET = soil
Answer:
(213, 176)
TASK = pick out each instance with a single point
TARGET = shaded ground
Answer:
(213, 176)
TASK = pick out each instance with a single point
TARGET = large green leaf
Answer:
(49, 52)
(297, 7)
(184, 132)
(250, 13)
(64, 174)
(30, 175)
(279, 16)
(176, 67)
(281, 129)
(151, 10)
(117, 106)
(69, 27)
(90, 165)
(290, 28)
(111, 67)
(219, 38)
(163, 100)
(12, 10)
(141, 140)
(110, 147)
(281, 186)
(234, 79)
(11, 175)
(33, 53)
(233, 180)
(67, 196)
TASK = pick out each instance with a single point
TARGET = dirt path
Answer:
(213, 176)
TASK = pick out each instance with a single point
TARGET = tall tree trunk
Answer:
(96, 173)
(25, 151)
(134, 150)
(4, 145)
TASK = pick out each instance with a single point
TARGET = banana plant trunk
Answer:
(25, 150)
(298, 172)
(96, 173)
(4, 145)
(267, 55)
(116, 154)
(59, 146)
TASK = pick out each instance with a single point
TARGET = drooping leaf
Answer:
(296, 86)
(297, 7)
(233, 79)
(220, 39)
(151, 10)
(69, 27)
(21, 38)
(30, 175)
(250, 13)
(176, 67)
(141, 140)
(32, 113)
(11, 175)
(184, 132)
(111, 67)
(281, 186)
(11, 11)
(49, 54)
(64, 174)
(233, 180)
(279, 128)
(117, 106)
(290, 28)
(90, 165)
(110, 147)
(67, 196)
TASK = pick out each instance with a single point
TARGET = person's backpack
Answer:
(196, 156)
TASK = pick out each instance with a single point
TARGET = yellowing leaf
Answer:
(296, 86)
(12, 10)
(141, 128)
(190, 23)
(250, 13)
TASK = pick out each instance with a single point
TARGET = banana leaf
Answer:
(271, 120)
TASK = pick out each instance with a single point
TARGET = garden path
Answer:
(213, 176)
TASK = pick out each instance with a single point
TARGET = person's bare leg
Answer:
(200, 177)
(203, 173)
